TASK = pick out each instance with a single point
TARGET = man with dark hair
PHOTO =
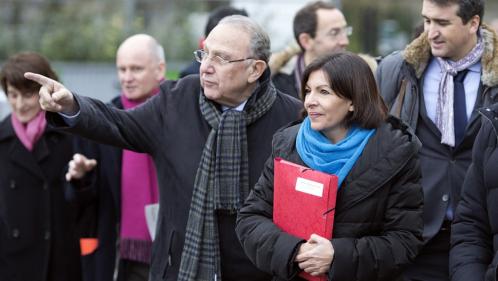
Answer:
(436, 85)
(214, 18)
(209, 137)
(319, 28)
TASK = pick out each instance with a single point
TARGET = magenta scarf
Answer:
(30, 132)
(138, 188)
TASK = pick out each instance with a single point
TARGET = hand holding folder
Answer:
(304, 202)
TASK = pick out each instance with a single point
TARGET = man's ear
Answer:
(305, 40)
(257, 69)
(161, 72)
(474, 23)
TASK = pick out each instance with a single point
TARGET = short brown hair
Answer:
(350, 77)
(14, 68)
(306, 19)
(467, 9)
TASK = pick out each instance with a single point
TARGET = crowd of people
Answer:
(411, 140)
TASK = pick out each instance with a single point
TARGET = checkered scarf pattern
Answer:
(221, 182)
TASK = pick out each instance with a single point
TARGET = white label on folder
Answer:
(310, 187)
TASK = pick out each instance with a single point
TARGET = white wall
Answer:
(275, 16)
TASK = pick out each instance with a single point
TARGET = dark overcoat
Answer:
(38, 234)
(171, 128)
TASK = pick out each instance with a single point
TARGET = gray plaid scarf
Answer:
(444, 110)
(221, 182)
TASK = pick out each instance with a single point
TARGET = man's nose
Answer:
(432, 31)
(206, 66)
(127, 75)
(344, 41)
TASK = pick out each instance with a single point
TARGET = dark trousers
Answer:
(432, 262)
(134, 271)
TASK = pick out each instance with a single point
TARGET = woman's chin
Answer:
(25, 118)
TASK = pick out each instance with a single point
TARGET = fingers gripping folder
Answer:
(303, 202)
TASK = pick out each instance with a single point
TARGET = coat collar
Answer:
(19, 155)
(418, 55)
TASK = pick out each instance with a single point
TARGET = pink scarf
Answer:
(30, 132)
(138, 188)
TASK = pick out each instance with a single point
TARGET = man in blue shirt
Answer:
(435, 85)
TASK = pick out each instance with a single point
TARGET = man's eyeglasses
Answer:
(201, 55)
(336, 32)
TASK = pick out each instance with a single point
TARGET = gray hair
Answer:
(259, 39)
(156, 49)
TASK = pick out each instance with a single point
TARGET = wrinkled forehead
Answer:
(140, 54)
(228, 39)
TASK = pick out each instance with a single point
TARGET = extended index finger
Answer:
(40, 79)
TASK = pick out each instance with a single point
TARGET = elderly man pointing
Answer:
(209, 137)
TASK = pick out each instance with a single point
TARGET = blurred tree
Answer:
(371, 18)
(93, 29)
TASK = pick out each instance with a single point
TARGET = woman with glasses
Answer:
(378, 215)
(38, 241)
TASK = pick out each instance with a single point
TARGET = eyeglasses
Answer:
(336, 32)
(201, 55)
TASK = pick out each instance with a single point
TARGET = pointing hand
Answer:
(54, 96)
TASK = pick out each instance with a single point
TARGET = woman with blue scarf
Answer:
(378, 215)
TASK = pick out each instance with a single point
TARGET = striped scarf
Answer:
(444, 110)
(221, 182)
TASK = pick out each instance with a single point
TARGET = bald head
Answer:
(144, 43)
(141, 66)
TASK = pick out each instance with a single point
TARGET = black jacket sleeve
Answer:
(471, 237)
(382, 256)
(137, 129)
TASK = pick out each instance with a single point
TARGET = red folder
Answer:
(303, 202)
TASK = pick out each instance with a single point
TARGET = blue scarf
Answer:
(318, 153)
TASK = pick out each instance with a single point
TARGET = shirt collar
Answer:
(476, 67)
(240, 107)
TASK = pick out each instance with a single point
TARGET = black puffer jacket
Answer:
(474, 235)
(378, 222)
